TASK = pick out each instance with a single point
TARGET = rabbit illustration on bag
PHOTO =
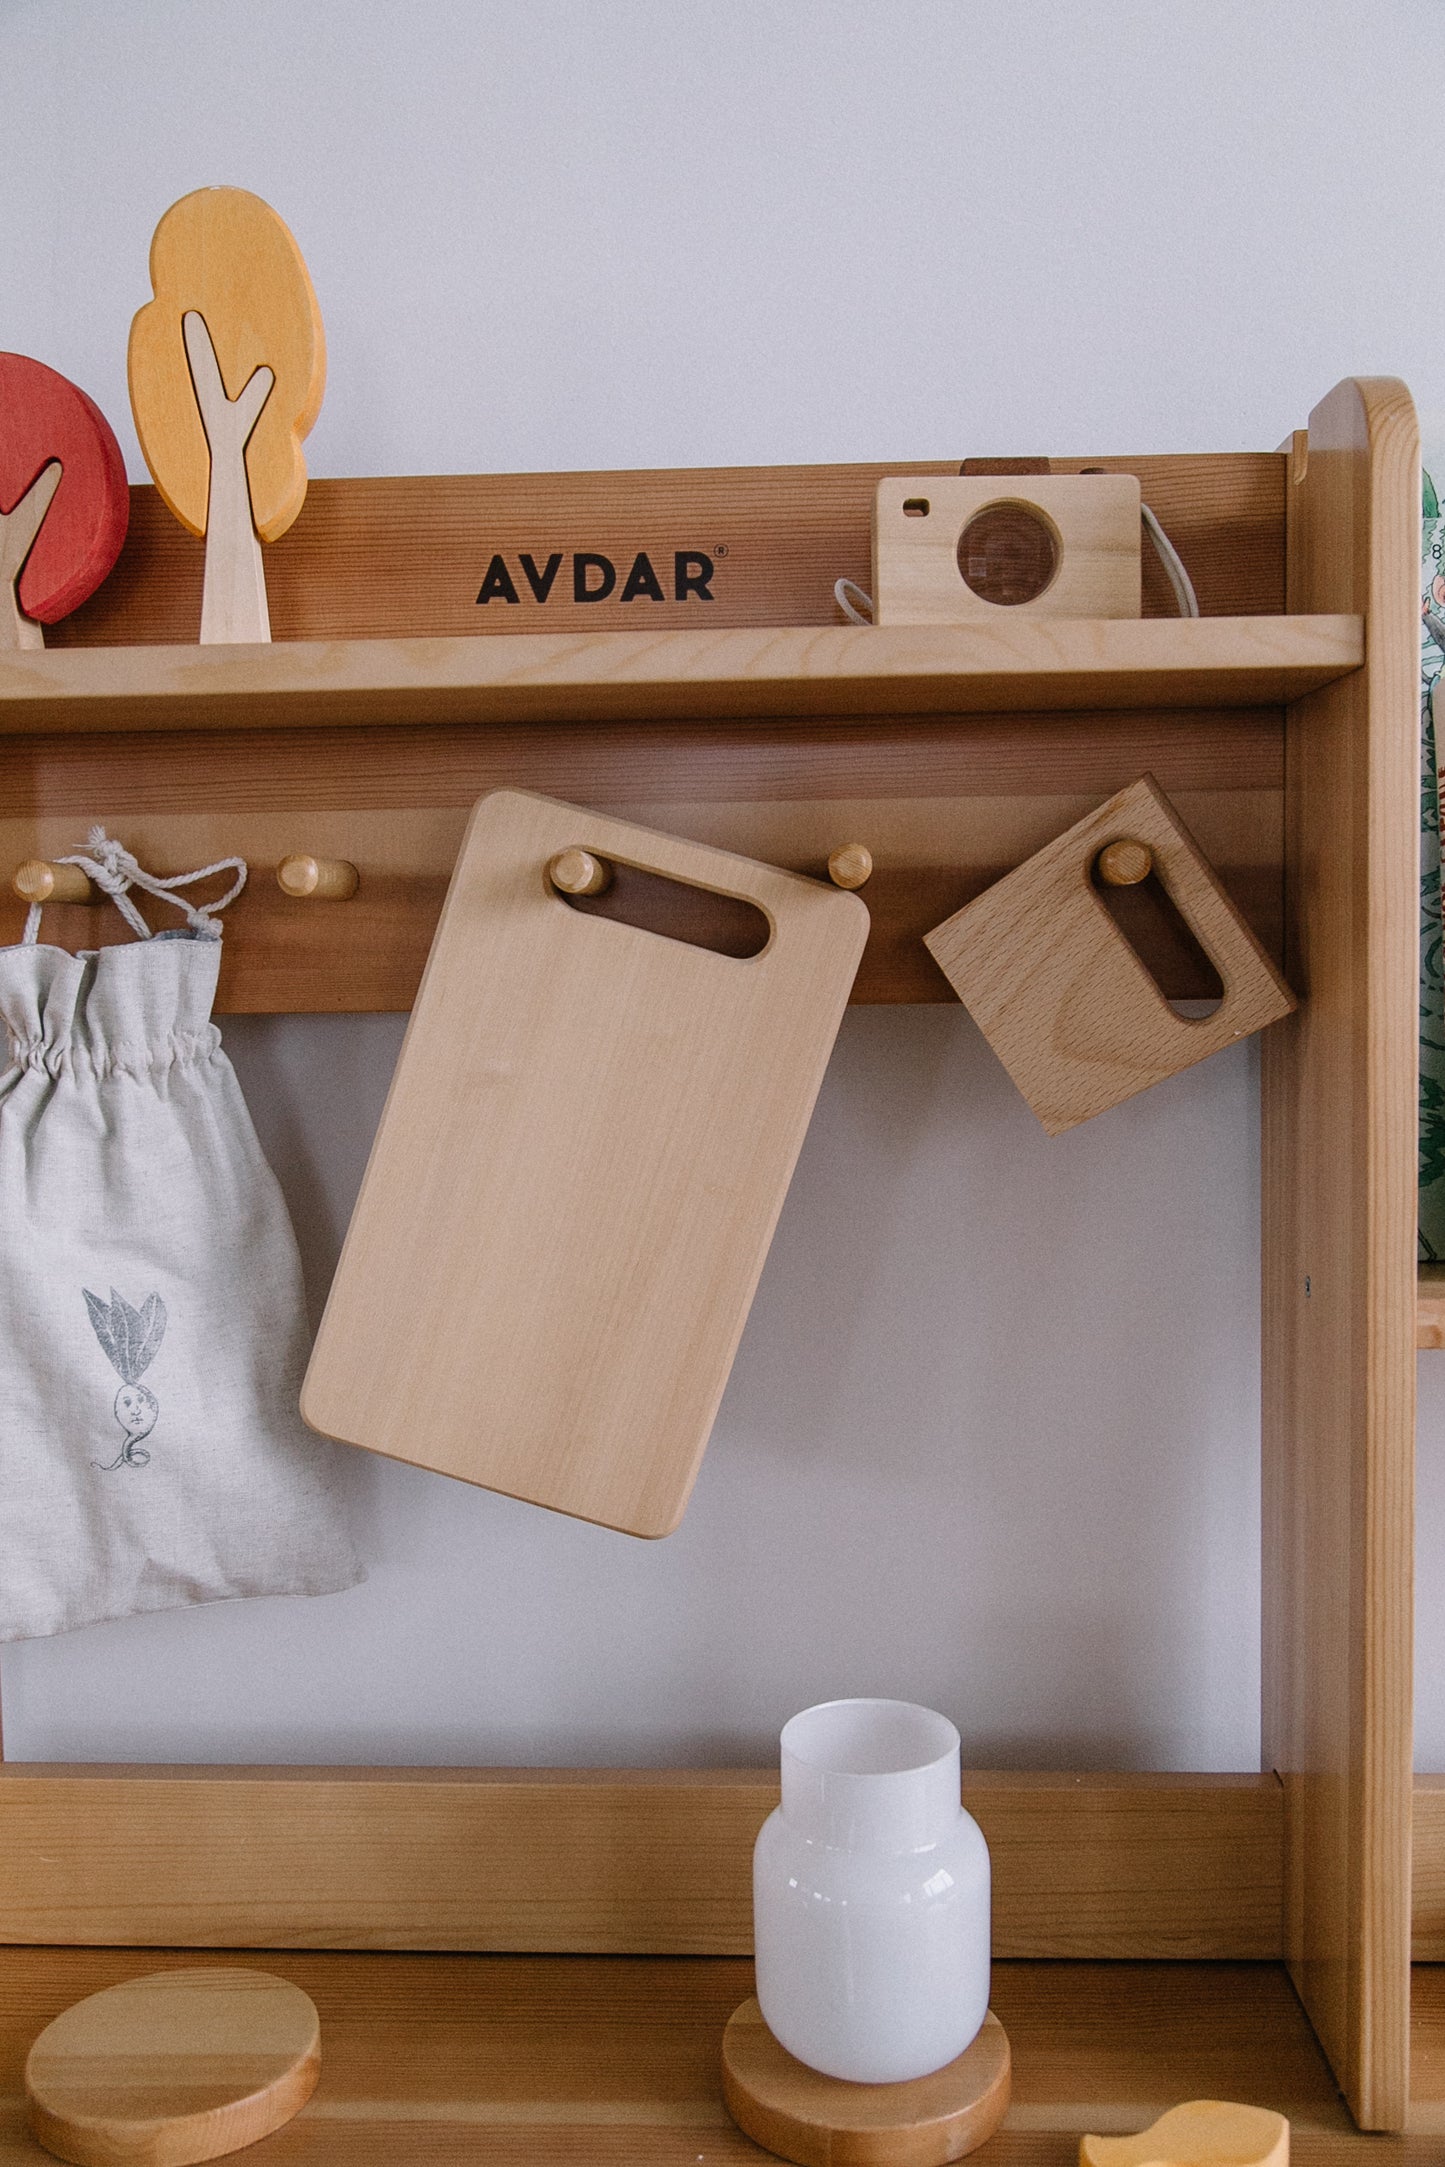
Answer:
(131, 1339)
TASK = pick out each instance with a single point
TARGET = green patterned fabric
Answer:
(1432, 965)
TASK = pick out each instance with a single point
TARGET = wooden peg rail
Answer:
(39, 881)
(933, 853)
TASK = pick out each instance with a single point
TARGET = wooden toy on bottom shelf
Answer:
(64, 498)
(958, 550)
(1201, 2133)
(827, 2122)
(173, 2067)
(586, 1146)
(227, 368)
(1058, 991)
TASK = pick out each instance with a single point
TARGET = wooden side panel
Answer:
(1339, 1249)
(1117, 1866)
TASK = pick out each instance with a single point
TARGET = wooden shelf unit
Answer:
(1283, 725)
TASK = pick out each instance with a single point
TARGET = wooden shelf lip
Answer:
(1430, 1306)
(841, 671)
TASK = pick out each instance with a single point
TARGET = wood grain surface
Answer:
(1092, 521)
(1339, 1184)
(18, 529)
(1120, 1866)
(826, 2122)
(407, 556)
(558, 2062)
(174, 2067)
(1430, 1307)
(1060, 994)
(233, 596)
(1198, 2133)
(579, 1167)
(696, 676)
(1427, 1850)
(350, 570)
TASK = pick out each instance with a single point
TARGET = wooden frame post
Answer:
(1339, 1189)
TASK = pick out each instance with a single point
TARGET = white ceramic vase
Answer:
(871, 1895)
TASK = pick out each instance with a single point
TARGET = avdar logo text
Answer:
(595, 577)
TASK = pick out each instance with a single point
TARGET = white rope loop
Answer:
(112, 869)
(1173, 564)
(853, 602)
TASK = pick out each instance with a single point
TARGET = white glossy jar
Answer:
(871, 1895)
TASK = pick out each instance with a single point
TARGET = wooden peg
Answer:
(577, 872)
(332, 880)
(38, 881)
(850, 866)
(1125, 863)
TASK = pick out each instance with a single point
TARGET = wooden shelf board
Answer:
(838, 671)
(1430, 1306)
(545, 2059)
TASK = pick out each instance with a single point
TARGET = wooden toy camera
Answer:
(957, 550)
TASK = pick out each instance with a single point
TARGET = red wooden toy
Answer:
(64, 502)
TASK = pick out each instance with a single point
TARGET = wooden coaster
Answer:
(174, 2067)
(826, 2122)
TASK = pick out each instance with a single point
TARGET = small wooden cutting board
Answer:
(578, 1171)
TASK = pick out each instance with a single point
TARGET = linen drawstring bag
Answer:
(152, 1334)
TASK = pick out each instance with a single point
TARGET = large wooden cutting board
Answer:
(586, 1146)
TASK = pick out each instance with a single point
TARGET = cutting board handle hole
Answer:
(678, 911)
(1164, 941)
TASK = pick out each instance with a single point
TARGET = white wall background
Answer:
(992, 1437)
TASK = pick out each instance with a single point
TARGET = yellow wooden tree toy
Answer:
(227, 370)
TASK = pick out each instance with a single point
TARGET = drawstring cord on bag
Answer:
(114, 871)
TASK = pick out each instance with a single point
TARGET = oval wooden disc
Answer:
(174, 2067)
(826, 2122)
